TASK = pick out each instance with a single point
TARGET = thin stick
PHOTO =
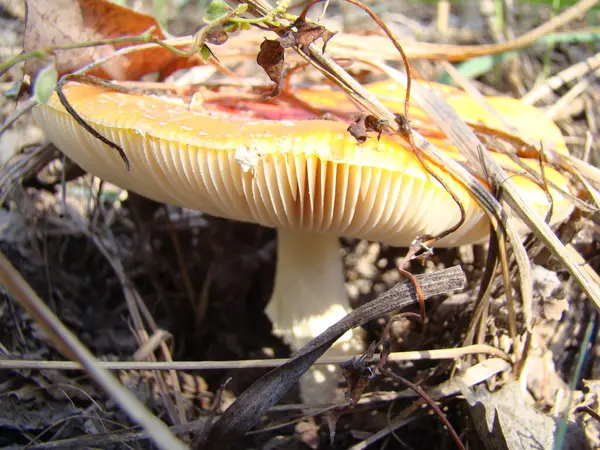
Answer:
(557, 81)
(438, 354)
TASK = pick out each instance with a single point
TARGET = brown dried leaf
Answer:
(363, 124)
(309, 32)
(358, 132)
(306, 33)
(271, 58)
(357, 375)
(66, 22)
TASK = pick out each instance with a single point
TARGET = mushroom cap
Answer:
(309, 175)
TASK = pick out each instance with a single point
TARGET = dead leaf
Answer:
(358, 132)
(363, 123)
(357, 375)
(271, 58)
(66, 22)
(508, 420)
(306, 33)
(309, 32)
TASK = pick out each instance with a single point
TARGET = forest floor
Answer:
(203, 282)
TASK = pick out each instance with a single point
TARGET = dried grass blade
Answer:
(546, 235)
(415, 355)
(594, 194)
(470, 377)
(591, 173)
(12, 281)
(464, 138)
(104, 241)
(522, 259)
(557, 81)
(484, 293)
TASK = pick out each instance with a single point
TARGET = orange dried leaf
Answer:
(66, 22)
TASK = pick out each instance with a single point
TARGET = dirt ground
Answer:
(206, 281)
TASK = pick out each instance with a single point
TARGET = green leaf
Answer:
(45, 82)
(14, 90)
(572, 37)
(205, 53)
(230, 27)
(216, 10)
(284, 4)
(473, 68)
(241, 9)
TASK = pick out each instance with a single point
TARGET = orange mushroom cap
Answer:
(309, 175)
(310, 179)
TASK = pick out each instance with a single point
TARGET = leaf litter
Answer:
(311, 34)
(71, 22)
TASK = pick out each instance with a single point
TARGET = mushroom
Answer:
(309, 179)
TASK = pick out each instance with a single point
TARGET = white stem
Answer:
(309, 296)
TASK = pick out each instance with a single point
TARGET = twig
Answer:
(470, 377)
(461, 52)
(420, 392)
(87, 127)
(563, 103)
(28, 106)
(557, 81)
(437, 354)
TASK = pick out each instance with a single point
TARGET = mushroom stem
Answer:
(309, 296)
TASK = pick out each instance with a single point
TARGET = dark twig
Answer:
(81, 121)
(213, 415)
(406, 131)
(420, 392)
(544, 183)
(388, 33)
